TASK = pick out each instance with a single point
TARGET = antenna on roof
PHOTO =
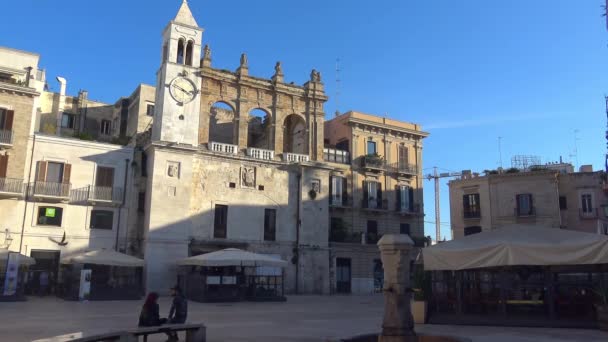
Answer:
(337, 86)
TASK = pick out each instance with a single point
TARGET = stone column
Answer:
(398, 323)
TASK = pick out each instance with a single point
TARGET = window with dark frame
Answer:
(102, 219)
(220, 222)
(586, 203)
(68, 120)
(403, 156)
(371, 147)
(472, 230)
(471, 206)
(563, 203)
(404, 228)
(405, 198)
(150, 109)
(524, 205)
(372, 231)
(6, 119)
(338, 191)
(372, 195)
(270, 223)
(106, 127)
(49, 216)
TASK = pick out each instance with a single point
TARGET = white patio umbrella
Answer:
(24, 260)
(232, 257)
(103, 257)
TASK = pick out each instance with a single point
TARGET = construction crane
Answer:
(436, 176)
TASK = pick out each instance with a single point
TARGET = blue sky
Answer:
(531, 72)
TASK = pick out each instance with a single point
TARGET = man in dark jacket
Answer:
(179, 310)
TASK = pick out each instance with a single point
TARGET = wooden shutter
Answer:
(398, 193)
(3, 165)
(344, 191)
(42, 171)
(365, 195)
(379, 198)
(331, 190)
(105, 177)
(531, 209)
(67, 171)
(411, 194)
(8, 122)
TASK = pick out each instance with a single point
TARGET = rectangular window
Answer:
(563, 203)
(54, 172)
(106, 127)
(141, 202)
(524, 205)
(405, 201)
(471, 206)
(220, 222)
(372, 195)
(586, 204)
(372, 231)
(67, 120)
(150, 110)
(270, 221)
(337, 190)
(104, 177)
(102, 219)
(49, 216)
(371, 147)
(404, 228)
(403, 157)
(6, 119)
(472, 230)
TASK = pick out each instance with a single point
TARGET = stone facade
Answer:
(556, 200)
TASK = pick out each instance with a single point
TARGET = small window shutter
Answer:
(398, 193)
(517, 198)
(41, 171)
(411, 195)
(365, 194)
(379, 195)
(3, 165)
(465, 202)
(8, 123)
(331, 190)
(67, 171)
(531, 209)
(344, 191)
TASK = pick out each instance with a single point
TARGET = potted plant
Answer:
(601, 307)
(421, 287)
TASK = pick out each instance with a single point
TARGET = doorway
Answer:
(47, 266)
(343, 275)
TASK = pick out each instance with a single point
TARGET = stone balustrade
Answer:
(223, 148)
(259, 153)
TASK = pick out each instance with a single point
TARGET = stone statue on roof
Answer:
(206, 52)
(244, 61)
(278, 69)
(315, 76)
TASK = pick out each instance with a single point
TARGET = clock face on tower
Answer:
(182, 90)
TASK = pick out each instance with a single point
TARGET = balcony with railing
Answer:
(333, 155)
(97, 195)
(340, 201)
(373, 162)
(412, 210)
(259, 153)
(404, 169)
(223, 148)
(51, 190)
(471, 213)
(10, 187)
(6, 137)
(589, 213)
(374, 204)
(295, 157)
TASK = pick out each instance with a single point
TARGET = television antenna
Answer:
(337, 86)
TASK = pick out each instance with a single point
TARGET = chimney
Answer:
(61, 106)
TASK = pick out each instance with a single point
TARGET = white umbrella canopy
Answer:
(232, 257)
(103, 257)
(24, 260)
(518, 245)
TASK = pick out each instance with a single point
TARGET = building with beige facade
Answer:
(549, 195)
(208, 159)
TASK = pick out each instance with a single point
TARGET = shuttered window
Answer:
(3, 165)
(270, 221)
(104, 177)
(220, 222)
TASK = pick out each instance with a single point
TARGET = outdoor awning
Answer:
(518, 245)
(103, 257)
(24, 260)
(232, 257)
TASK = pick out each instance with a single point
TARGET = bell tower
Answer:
(178, 81)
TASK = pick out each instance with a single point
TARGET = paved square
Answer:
(301, 318)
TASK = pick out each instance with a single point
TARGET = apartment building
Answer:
(549, 195)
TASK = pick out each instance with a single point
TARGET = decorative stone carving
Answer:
(248, 177)
(398, 322)
(315, 185)
(244, 62)
(315, 76)
(278, 69)
(207, 52)
(173, 169)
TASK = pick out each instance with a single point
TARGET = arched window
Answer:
(221, 123)
(294, 135)
(259, 130)
(189, 50)
(180, 52)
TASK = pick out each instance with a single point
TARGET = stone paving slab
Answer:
(300, 319)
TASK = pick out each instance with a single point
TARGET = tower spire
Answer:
(184, 15)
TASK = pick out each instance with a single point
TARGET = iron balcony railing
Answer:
(93, 193)
(414, 209)
(11, 185)
(336, 156)
(590, 213)
(51, 189)
(373, 162)
(6, 137)
(519, 212)
(404, 168)
(374, 204)
(471, 214)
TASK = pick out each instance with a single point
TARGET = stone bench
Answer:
(194, 333)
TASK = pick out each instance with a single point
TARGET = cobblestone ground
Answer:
(301, 318)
